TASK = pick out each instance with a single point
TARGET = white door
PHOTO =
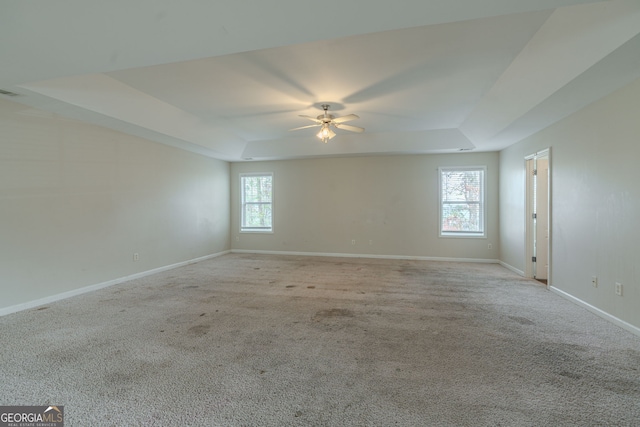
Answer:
(538, 216)
(542, 219)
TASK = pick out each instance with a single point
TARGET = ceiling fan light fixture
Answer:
(326, 120)
(325, 133)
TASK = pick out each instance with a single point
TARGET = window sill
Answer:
(463, 235)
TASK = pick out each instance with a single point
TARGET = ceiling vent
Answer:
(6, 92)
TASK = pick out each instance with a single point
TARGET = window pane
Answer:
(462, 200)
(257, 202)
(461, 186)
(257, 188)
(257, 216)
(462, 217)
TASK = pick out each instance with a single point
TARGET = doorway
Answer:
(538, 215)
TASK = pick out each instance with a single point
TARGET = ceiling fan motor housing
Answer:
(327, 120)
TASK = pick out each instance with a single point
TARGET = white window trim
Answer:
(457, 234)
(242, 175)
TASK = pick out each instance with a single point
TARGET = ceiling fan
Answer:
(326, 120)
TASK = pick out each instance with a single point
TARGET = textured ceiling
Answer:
(228, 79)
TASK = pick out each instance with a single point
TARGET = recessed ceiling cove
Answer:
(217, 80)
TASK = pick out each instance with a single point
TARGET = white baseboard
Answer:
(341, 255)
(624, 325)
(509, 267)
(64, 295)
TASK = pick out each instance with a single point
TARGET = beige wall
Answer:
(321, 205)
(595, 203)
(77, 200)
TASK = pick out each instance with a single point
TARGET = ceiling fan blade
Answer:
(305, 127)
(313, 119)
(345, 118)
(349, 128)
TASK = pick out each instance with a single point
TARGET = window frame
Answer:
(482, 202)
(244, 229)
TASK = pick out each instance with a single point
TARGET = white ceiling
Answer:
(228, 78)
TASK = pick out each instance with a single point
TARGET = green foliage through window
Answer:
(462, 201)
(257, 202)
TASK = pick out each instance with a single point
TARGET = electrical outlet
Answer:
(353, 242)
(237, 238)
(618, 289)
(594, 281)
(489, 246)
(136, 257)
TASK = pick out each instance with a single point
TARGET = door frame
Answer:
(529, 228)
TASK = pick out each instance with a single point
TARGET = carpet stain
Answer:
(560, 356)
(311, 287)
(42, 308)
(64, 356)
(623, 386)
(439, 316)
(207, 299)
(412, 271)
(571, 375)
(334, 312)
(179, 319)
(199, 330)
(521, 320)
(290, 286)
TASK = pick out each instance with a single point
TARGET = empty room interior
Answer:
(338, 213)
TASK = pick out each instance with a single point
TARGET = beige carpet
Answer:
(258, 340)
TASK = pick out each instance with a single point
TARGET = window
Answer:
(257, 202)
(462, 201)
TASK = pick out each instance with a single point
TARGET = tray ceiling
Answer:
(227, 80)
